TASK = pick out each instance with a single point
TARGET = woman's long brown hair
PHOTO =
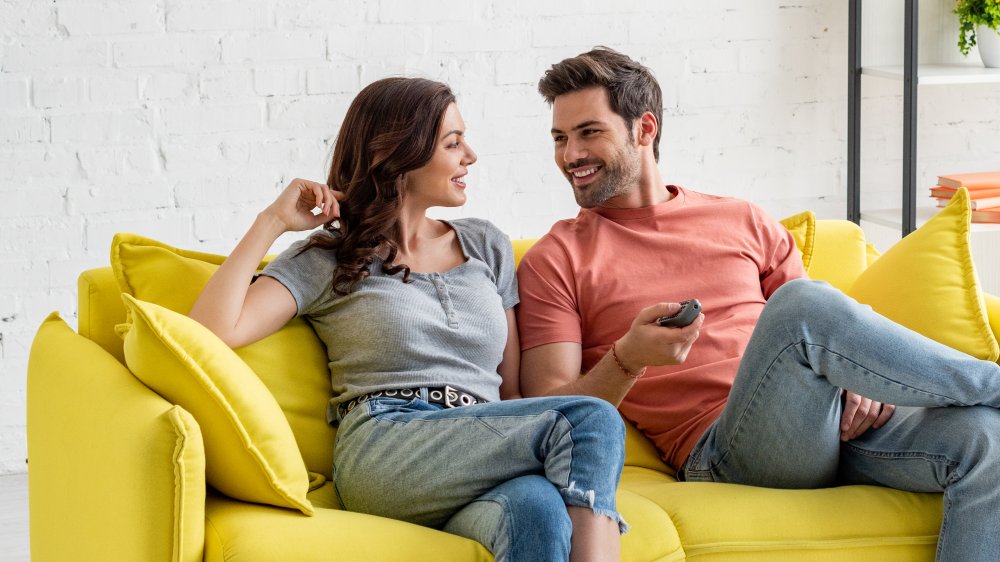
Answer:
(389, 130)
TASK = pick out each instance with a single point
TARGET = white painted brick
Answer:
(212, 118)
(52, 237)
(186, 159)
(32, 201)
(719, 60)
(120, 90)
(54, 53)
(58, 91)
(27, 19)
(113, 126)
(167, 225)
(22, 129)
(107, 197)
(585, 31)
(63, 275)
(223, 226)
(279, 80)
(273, 46)
(333, 78)
(321, 15)
(139, 160)
(109, 17)
(221, 16)
(37, 161)
(168, 86)
(315, 112)
(20, 274)
(175, 49)
(227, 82)
(480, 37)
(223, 192)
(13, 93)
(407, 12)
(515, 68)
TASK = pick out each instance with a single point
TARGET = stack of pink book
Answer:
(984, 191)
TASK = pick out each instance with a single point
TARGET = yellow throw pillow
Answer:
(803, 229)
(250, 452)
(927, 282)
(292, 362)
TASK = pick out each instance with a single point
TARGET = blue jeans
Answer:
(781, 425)
(500, 473)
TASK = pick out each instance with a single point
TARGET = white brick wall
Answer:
(180, 119)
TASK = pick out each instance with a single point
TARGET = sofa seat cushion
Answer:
(241, 532)
(235, 530)
(731, 522)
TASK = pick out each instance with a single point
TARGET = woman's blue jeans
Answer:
(781, 425)
(500, 473)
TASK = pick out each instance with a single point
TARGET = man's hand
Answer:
(862, 413)
(647, 343)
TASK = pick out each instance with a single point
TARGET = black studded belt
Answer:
(445, 395)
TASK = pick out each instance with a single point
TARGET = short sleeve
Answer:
(781, 261)
(549, 312)
(308, 275)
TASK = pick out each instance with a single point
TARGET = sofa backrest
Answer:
(840, 254)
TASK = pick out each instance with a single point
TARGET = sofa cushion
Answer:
(927, 282)
(292, 362)
(803, 229)
(249, 448)
(728, 522)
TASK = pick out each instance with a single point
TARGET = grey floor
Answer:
(14, 518)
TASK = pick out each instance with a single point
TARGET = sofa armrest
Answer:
(115, 472)
(993, 312)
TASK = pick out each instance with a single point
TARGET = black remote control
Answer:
(688, 312)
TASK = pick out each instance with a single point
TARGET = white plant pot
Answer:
(989, 46)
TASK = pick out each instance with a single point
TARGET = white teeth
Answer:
(585, 173)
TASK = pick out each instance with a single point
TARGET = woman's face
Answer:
(441, 182)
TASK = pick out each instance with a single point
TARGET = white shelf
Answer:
(935, 74)
(893, 218)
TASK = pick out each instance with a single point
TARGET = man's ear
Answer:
(647, 129)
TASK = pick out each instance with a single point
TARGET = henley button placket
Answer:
(445, 298)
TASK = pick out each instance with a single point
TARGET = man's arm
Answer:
(554, 368)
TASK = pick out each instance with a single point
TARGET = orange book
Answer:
(947, 192)
(981, 203)
(975, 180)
(987, 215)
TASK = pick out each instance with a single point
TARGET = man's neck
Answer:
(648, 191)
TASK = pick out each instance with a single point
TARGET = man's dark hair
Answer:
(632, 89)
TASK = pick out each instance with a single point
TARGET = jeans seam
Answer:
(875, 373)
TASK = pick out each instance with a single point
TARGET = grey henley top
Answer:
(441, 329)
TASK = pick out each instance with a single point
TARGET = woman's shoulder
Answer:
(482, 239)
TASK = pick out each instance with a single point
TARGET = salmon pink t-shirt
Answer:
(586, 280)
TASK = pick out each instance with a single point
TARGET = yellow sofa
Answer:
(117, 473)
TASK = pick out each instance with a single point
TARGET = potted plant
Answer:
(978, 21)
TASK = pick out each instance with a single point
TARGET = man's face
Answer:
(593, 147)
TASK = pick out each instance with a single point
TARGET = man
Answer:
(747, 393)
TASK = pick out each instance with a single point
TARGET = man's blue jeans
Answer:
(781, 425)
(501, 473)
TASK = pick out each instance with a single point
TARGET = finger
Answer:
(883, 417)
(851, 404)
(650, 314)
(862, 423)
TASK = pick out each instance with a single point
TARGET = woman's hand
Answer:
(293, 209)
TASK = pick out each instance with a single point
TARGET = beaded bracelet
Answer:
(625, 371)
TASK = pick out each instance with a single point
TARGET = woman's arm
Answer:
(241, 313)
(510, 366)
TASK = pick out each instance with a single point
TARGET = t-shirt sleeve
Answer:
(781, 261)
(307, 275)
(548, 312)
(500, 254)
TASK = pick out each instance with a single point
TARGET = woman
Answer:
(417, 316)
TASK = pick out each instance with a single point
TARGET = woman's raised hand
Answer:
(294, 207)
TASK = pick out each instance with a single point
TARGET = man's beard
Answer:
(618, 177)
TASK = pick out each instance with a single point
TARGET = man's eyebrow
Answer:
(583, 125)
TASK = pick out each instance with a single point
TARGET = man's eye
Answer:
(558, 139)
(588, 132)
